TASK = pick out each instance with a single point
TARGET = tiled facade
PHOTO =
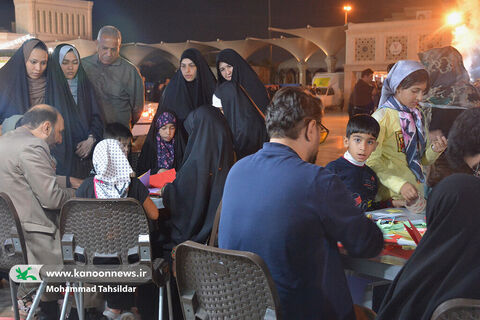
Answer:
(375, 45)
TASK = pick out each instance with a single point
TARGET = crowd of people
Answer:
(66, 132)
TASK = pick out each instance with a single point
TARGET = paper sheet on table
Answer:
(380, 215)
(398, 214)
(145, 178)
(413, 232)
(161, 179)
(154, 191)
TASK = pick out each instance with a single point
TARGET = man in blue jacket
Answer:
(278, 204)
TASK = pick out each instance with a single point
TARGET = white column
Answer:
(331, 62)
(302, 76)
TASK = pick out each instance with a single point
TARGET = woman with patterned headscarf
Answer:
(450, 94)
(158, 152)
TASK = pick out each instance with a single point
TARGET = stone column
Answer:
(331, 62)
(25, 16)
(89, 34)
(302, 75)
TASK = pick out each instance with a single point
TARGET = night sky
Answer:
(153, 21)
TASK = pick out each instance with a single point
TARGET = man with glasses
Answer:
(464, 141)
(278, 204)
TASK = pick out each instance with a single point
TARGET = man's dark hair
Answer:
(419, 76)
(367, 72)
(289, 112)
(363, 123)
(464, 137)
(117, 131)
(37, 115)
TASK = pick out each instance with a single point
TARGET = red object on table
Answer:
(413, 232)
(161, 179)
(396, 251)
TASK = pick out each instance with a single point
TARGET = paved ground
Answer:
(332, 148)
(334, 120)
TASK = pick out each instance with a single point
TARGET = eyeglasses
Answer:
(323, 132)
(476, 171)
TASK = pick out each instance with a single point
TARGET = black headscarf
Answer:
(446, 263)
(180, 98)
(81, 118)
(245, 121)
(245, 76)
(14, 87)
(194, 196)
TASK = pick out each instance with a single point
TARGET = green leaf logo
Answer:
(23, 275)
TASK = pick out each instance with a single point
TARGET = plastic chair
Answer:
(457, 309)
(13, 250)
(213, 239)
(216, 283)
(110, 230)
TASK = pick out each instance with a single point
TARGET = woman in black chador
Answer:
(243, 99)
(445, 264)
(23, 79)
(74, 97)
(193, 197)
(191, 86)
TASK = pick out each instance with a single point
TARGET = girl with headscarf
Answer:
(403, 144)
(190, 87)
(23, 80)
(158, 151)
(445, 264)
(243, 99)
(74, 97)
(193, 197)
(113, 180)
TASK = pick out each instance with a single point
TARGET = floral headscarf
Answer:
(165, 150)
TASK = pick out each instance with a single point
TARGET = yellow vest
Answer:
(389, 160)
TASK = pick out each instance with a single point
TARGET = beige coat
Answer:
(27, 175)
